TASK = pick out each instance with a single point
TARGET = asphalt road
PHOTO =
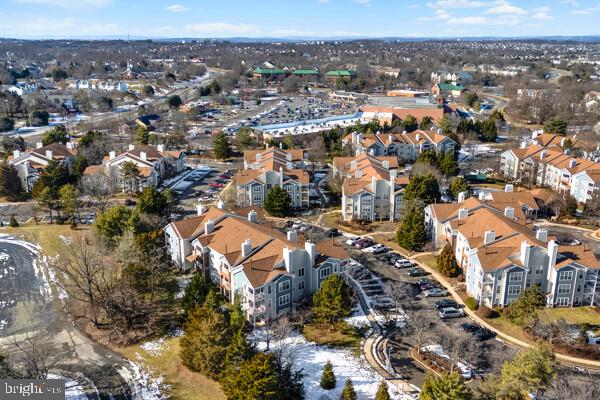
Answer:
(28, 314)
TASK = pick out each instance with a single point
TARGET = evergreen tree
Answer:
(46, 200)
(205, 341)
(430, 157)
(113, 223)
(446, 125)
(6, 124)
(12, 222)
(348, 393)
(382, 392)
(142, 135)
(446, 262)
(58, 134)
(53, 177)
(221, 147)
(522, 311)
(332, 301)
(130, 176)
(289, 382)
(422, 188)
(151, 201)
(426, 123)
(449, 386)
(412, 234)
(532, 371)
(410, 123)
(195, 293)
(458, 185)
(447, 164)
(79, 166)
(277, 202)
(10, 182)
(255, 380)
(556, 125)
(328, 377)
(243, 139)
(68, 201)
(489, 130)
(174, 101)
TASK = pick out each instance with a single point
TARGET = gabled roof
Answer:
(450, 87)
(435, 113)
(269, 71)
(273, 152)
(306, 72)
(339, 73)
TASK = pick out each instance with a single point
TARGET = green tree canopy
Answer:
(410, 123)
(113, 223)
(348, 393)
(6, 124)
(58, 134)
(53, 177)
(151, 201)
(10, 182)
(446, 262)
(243, 139)
(426, 122)
(277, 202)
(422, 188)
(174, 101)
(332, 301)
(449, 386)
(448, 164)
(256, 380)
(458, 185)
(79, 166)
(221, 147)
(68, 200)
(148, 90)
(382, 392)
(130, 176)
(142, 135)
(556, 125)
(522, 311)
(195, 293)
(328, 377)
(39, 118)
(412, 234)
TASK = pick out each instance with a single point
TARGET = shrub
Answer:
(471, 303)
(486, 312)
(13, 222)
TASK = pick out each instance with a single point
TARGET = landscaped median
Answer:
(503, 327)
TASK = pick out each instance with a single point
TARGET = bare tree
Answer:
(100, 189)
(420, 324)
(29, 358)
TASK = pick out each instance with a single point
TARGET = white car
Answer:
(403, 263)
(352, 240)
(373, 248)
(435, 292)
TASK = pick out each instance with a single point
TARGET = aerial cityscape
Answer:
(333, 199)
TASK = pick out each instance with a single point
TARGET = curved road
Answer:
(28, 312)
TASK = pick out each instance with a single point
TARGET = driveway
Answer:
(28, 313)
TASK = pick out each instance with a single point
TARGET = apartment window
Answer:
(283, 286)
(564, 289)
(301, 285)
(514, 290)
(285, 299)
(269, 289)
(324, 272)
(562, 302)
(566, 275)
(256, 188)
(515, 277)
(301, 272)
(539, 270)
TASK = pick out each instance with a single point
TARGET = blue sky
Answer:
(282, 18)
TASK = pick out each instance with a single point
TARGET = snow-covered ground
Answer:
(143, 385)
(73, 390)
(310, 358)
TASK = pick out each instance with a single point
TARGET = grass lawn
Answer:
(185, 384)
(505, 325)
(48, 236)
(428, 259)
(389, 240)
(575, 315)
(331, 219)
(340, 335)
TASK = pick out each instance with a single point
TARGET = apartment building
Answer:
(501, 257)
(372, 190)
(552, 168)
(406, 146)
(154, 164)
(30, 164)
(264, 169)
(244, 256)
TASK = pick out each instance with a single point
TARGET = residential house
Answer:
(30, 164)
(154, 164)
(99, 84)
(268, 271)
(443, 90)
(22, 88)
(371, 187)
(405, 146)
(500, 258)
(389, 114)
(264, 169)
(552, 168)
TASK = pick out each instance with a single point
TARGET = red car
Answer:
(216, 185)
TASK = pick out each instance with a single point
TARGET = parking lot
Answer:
(481, 353)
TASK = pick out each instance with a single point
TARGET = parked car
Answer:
(450, 312)
(469, 327)
(482, 334)
(417, 272)
(216, 185)
(403, 263)
(446, 303)
(381, 250)
(333, 232)
(435, 292)
(352, 241)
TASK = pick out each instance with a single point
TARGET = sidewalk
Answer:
(562, 358)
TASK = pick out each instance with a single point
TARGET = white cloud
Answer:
(364, 2)
(506, 8)
(177, 8)
(574, 3)
(323, 1)
(68, 3)
(542, 13)
(581, 12)
(459, 4)
(222, 28)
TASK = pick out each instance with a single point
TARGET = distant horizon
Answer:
(169, 19)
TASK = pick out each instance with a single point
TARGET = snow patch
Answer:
(310, 358)
(143, 385)
(73, 389)
(154, 347)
